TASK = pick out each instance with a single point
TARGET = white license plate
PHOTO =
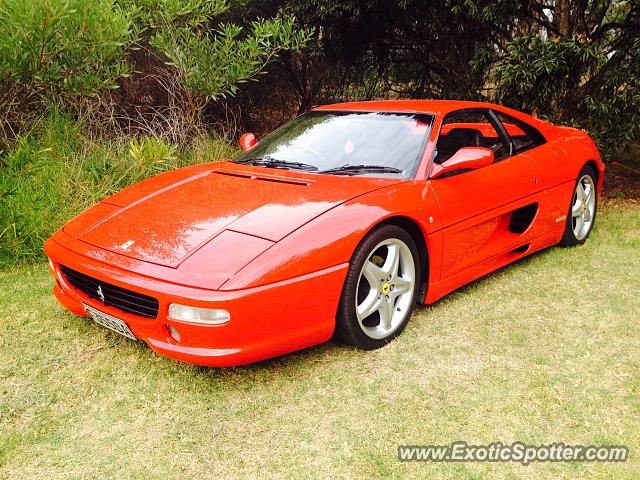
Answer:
(112, 323)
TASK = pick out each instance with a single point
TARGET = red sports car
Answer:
(334, 224)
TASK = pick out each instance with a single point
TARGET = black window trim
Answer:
(488, 112)
(502, 131)
(494, 112)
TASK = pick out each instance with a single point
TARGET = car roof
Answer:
(435, 107)
(422, 106)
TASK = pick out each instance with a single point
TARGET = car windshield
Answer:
(346, 143)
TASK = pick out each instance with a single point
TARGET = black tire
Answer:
(348, 329)
(569, 238)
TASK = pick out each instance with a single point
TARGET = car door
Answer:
(477, 206)
(550, 159)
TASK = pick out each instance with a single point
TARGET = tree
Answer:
(578, 63)
(575, 62)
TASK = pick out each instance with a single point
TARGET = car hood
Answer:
(164, 220)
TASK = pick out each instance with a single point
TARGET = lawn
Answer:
(546, 350)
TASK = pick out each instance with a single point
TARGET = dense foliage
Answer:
(58, 170)
(584, 70)
(97, 94)
(573, 61)
(174, 61)
(57, 50)
(62, 47)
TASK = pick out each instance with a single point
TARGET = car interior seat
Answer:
(455, 140)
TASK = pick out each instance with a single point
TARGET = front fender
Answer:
(331, 238)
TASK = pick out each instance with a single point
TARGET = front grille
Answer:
(114, 296)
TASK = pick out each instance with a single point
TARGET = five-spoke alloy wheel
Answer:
(380, 289)
(584, 207)
(582, 211)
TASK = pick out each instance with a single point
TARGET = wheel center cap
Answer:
(583, 207)
(386, 288)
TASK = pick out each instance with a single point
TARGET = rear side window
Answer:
(523, 135)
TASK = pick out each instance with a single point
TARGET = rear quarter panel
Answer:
(563, 156)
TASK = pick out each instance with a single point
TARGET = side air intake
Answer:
(522, 218)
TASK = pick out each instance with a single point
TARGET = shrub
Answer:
(214, 65)
(63, 47)
(55, 51)
(576, 80)
(58, 170)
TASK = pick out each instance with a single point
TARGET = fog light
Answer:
(207, 316)
(173, 332)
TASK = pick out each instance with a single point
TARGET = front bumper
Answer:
(266, 321)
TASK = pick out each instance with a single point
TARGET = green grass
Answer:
(545, 350)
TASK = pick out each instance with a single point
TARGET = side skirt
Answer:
(439, 289)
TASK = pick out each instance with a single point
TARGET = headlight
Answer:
(206, 316)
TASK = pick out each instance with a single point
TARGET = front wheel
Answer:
(380, 289)
(582, 211)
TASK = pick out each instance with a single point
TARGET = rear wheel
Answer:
(582, 210)
(380, 289)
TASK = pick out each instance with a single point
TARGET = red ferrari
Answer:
(337, 223)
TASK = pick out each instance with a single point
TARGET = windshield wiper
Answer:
(275, 163)
(355, 169)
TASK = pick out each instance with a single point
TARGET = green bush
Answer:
(51, 51)
(63, 47)
(58, 170)
(578, 81)
(214, 65)
(80, 46)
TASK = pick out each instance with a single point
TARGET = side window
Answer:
(469, 128)
(523, 135)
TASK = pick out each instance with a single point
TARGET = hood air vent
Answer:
(289, 181)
